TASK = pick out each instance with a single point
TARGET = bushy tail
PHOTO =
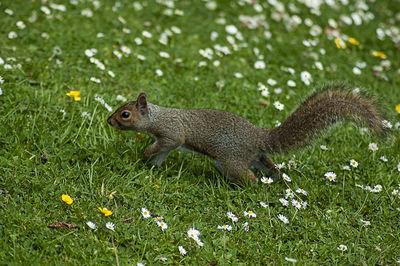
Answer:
(318, 112)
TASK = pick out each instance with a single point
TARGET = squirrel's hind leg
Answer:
(270, 165)
(237, 171)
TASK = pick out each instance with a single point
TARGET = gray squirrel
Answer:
(231, 141)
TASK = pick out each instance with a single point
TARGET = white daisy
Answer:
(373, 147)
(145, 212)
(250, 214)
(193, 233)
(291, 83)
(383, 159)
(386, 124)
(231, 29)
(138, 41)
(301, 191)
(21, 25)
(331, 176)
(159, 72)
(259, 65)
(342, 247)
(271, 82)
(283, 218)
(377, 188)
(164, 54)
(286, 177)
(296, 204)
(263, 89)
(226, 227)
(92, 225)
(162, 224)
(232, 216)
(110, 226)
(182, 250)
(290, 259)
(279, 105)
(353, 163)
(12, 35)
(267, 180)
(284, 202)
(263, 204)
(147, 34)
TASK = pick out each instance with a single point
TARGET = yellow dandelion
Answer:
(67, 199)
(398, 108)
(105, 211)
(75, 95)
(353, 41)
(340, 43)
(379, 54)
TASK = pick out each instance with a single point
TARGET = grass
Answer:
(45, 154)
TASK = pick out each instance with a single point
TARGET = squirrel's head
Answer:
(131, 115)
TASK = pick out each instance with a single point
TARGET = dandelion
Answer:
(353, 41)
(232, 216)
(263, 204)
(331, 176)
(110, 226)
(145, 212)
(67, 199)
(340, 43)
(105, 211)
(193, 233)
(279, 105)
(283, 218)
(386, 124)
(342, 247)
(259, 65)
(397, 107)
(267, 180)
(373, 147)
(182, 250)
(353, 163)
(382, 55)
(12, 35)
(250, 214)
(226, 227)
(284, 202)
(91, 225)
(286, 177)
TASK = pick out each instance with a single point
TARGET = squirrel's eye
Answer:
(125, 115)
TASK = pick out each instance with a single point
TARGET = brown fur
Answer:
(233, 142)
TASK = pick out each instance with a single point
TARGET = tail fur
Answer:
(320, 110)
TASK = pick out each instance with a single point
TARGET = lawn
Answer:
(66, 65)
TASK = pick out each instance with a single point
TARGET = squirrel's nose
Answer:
(109, 120)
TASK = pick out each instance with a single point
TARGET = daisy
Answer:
(263, 204)
(110, 226)
(271, 82)
(238, 75)
(176, 30)
(1, 91)
(226, 227)
(386, 124)
(96, 80)
(21, 25)
(9, 11)
(147, 34)
(342, 247)
(286, 177)
(125, 49)
(377, 188)
(259, 65)
(232, 216)
(141, 57)
(245, 226)
(353, 163)
(319, 65)
(231, 29)
(398, 167)
(283, 218)
(198, 242)
(163, 225)
(346, 168)
(45, 10)
(290, 259)
(159, 72)
(323, 147)
(1, 80)
(305, 77)
(87, 13)
(289, 194)
(164, 54)
(111, 73)
(145, 212)
(279, 105)
(267, 180)
(182, 250)
(138, 41)
(91, 225)
(263, 89)
(301, 191)
(193, 233)
(373, 147)
(331, 176)
(284, 202)
(291, 83)
(296, 204)
(12, 35)
(356, 71)
(250, 214)
(365, 223)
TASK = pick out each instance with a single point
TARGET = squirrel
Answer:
(234, 143)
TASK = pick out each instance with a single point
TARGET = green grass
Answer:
(89, 160)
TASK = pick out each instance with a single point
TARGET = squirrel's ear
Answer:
(142, 103)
